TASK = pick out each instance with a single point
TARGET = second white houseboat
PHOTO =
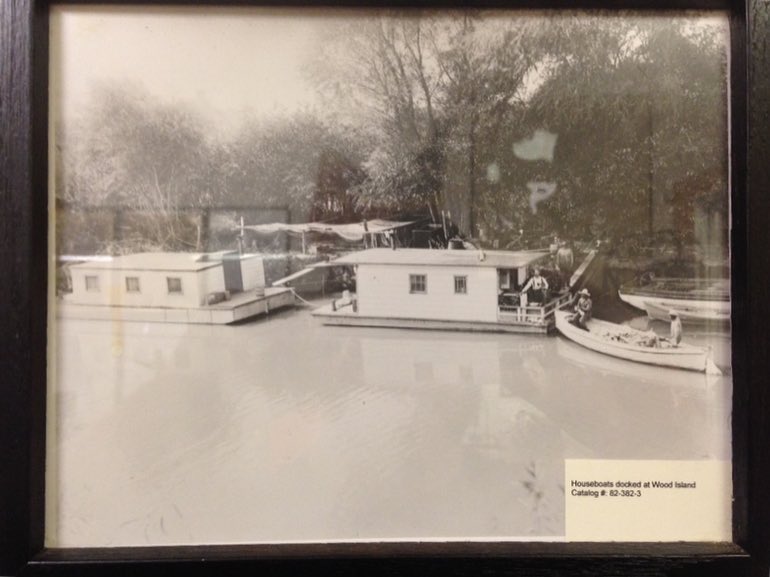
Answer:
(172, 287)
(442, 289)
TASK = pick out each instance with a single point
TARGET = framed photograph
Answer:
(385, 288)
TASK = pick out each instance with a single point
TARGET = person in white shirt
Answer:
(675, 334)
(536, 288)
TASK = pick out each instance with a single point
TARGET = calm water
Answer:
(286, 430)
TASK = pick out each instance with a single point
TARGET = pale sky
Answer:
(222, 62)
(229, 64)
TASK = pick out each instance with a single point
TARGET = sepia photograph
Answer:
(362, 275)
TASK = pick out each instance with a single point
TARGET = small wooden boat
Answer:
(618, 341)
(687, 313)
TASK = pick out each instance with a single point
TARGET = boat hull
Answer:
(701, 299)
(347, 318)
(240, 307)
(687, 313)
(682, 357)
(641, 301)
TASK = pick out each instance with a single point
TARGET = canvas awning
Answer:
(295, 276)
(352, 232)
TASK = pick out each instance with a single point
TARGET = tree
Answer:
(634, 104)
(435, 91)
(638, 107)
(485, 66)
(299, 163)
(382, 77)
(149, 163)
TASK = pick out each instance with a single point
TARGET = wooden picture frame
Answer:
(24, 259)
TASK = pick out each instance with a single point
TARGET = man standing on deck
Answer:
(553, 248)
(536, 288)
(675, 336)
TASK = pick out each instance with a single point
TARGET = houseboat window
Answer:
(174, 285)
(461, 285)
(418, 283)
(132, 284)
(92, 283)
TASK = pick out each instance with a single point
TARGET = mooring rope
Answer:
(308, 303)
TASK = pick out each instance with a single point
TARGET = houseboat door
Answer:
(231, 265)
(511, 279)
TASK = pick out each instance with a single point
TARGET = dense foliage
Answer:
(627, 118)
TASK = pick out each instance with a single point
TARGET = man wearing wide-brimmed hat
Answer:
(583, 310)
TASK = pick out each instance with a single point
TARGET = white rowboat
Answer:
(600, 335)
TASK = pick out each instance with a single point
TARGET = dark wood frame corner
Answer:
(23, 262)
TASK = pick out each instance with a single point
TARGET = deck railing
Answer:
(348, 299)
(532, 313)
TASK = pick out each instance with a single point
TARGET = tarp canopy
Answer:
(296, 275)
(351, 232)
(502, 259)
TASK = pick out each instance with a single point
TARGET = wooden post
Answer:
(443, 225)
(240, 238)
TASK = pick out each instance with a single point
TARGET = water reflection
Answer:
(288, 430)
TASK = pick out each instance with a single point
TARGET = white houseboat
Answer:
(442, 289)
(209, 288)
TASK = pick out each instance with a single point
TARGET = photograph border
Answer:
(24, 257)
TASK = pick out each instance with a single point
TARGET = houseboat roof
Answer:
(430, 257)
(159, 261)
